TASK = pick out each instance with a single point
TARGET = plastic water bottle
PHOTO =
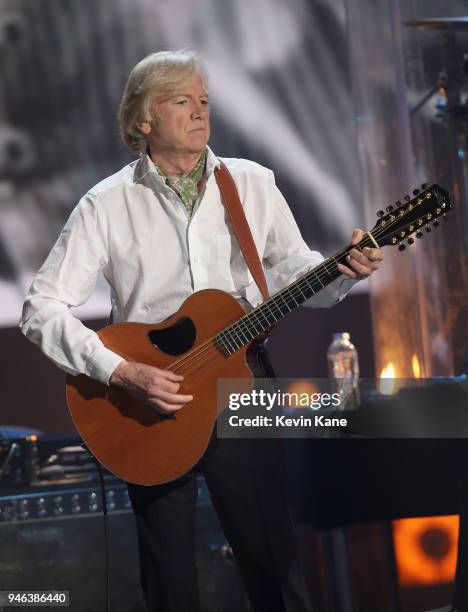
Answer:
(343, 370)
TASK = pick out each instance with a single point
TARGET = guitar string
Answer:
(209, 347)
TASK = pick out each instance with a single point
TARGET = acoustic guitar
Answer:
(210, 337)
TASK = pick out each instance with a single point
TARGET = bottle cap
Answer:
(341, 336)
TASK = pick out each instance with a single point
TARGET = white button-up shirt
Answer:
(135, 229)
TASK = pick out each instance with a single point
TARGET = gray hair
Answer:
(156, 76)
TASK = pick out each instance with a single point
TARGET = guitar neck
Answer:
(257, 321)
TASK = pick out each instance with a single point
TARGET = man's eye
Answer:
(181, 101)
(205, 102)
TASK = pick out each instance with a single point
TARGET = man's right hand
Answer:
(157, 388)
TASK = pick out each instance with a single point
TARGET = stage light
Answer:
(426, 550)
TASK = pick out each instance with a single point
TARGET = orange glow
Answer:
(387, 380)
(426, 549)
(416, 367)
(301, 386)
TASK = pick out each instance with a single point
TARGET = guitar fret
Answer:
(315, 274)
(267, 315)
(221, 338)
(279, 307)
(267, 306)
(252, 315)
(245, 331)
(235, 327)
(226, 343)
(281, 296)
(232, 344)
(273, 300)
(265, 324)
(311, 288)
(292, 295)
(235, 338)
(302, 293)
(250, 332)
(243, 325)
(326, 269)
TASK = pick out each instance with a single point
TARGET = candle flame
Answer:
(299, 387)
(416, 367)
(387, 379)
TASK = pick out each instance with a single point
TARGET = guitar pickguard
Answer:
(176, 339)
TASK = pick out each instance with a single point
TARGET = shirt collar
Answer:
(146, 166)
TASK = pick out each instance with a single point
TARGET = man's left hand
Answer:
(361, 263)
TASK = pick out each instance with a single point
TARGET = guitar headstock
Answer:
(422, 212)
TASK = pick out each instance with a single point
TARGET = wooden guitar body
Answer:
(130, 438)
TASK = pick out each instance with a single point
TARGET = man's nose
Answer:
(199, 110)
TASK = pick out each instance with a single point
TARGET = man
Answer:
(158, 230)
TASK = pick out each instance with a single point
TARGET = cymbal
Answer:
(440, 23)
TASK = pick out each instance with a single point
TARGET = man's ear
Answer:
(144, 128)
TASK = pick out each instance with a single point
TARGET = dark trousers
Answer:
(246, 481)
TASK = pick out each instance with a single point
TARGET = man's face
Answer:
(182, 122)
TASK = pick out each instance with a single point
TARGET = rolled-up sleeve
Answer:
(287, 257)
(66, 279)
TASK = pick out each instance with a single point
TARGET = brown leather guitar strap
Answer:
(233, 205)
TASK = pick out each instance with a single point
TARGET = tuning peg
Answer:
(389, 208)
(410, 240)
(407, 198)
(380, 213)
(398, 204)
(419, 234)
(428, 229)
(436, 223)
(401, 247)
(416, 191)
(424, 186)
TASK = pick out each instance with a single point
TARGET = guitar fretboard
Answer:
(263, 317)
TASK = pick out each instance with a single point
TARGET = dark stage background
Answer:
(280, 95)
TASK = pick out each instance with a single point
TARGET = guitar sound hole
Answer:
(176, 339)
